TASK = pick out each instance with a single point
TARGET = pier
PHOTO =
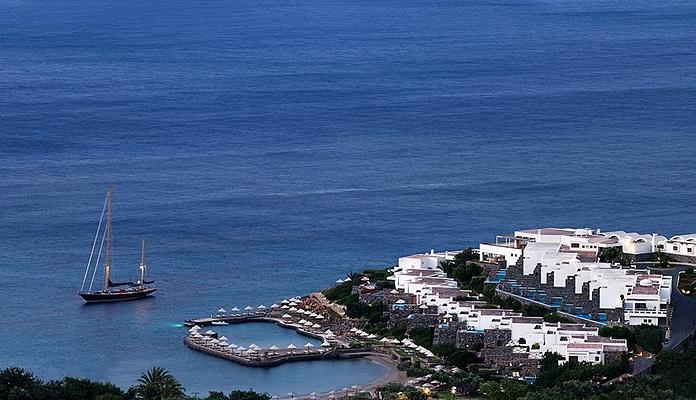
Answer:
(258, 357)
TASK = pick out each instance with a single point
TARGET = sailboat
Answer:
(113, 291)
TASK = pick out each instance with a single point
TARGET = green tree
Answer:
(462, 358)
(549, 370)
(17, 383)
(158, 384)
(618, 332)
(394, 391)
(661, 260)
(506, 389)
(422, 336)
(677, 370)
(649, 337)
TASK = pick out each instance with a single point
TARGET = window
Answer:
(661, 246)
(689, 250)
(575, 245)
(675, 248)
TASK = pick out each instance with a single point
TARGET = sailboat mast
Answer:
(107, 265)
(142, 262)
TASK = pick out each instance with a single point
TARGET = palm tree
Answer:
(158, 384)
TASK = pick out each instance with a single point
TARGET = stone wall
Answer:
(468, 339)
(422, 321)
(508, 361)
(493, 338)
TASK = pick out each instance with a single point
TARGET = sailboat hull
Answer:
(117, 295)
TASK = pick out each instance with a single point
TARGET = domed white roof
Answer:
(645, 282)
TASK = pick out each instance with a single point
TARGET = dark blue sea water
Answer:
(264, 148)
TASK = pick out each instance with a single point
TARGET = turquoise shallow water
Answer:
(264, 149)
(263, 334)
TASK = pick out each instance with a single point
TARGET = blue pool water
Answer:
(265, 148)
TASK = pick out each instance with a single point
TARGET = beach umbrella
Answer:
(313, 395)
(320, 316)
(328, 332)
(316, 326)
(223, 343)
(325, 344)
(291, 347)
(248, 308)
(384, 340)
(284, 301)
(395, 341)
(206, 338)
(394, 291)
(193, 330)
(353, 329)
(232, 346)
(308, 345)
(274, 305)
(365, 279)
(274, 348)
(302, 321)
(372, 336)
(209, 332)
(308, 323)
(214, 341)
(413, 345)
(261, 307)
(254, 346)
(401, 301)
(293, 309)
(364, 334)
(286, 316)
(222, 310)
(284, 307)
(196, 327)
(235, 309)
(222, 338)
(241, 348)
(339, 280)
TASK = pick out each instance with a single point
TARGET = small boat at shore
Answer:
(113, 291)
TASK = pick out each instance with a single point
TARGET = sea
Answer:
(266, 148)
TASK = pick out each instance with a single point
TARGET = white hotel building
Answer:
(590, 242)
(421, 276)
(644, 297)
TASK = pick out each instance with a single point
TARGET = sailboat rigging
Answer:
(112, 291)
